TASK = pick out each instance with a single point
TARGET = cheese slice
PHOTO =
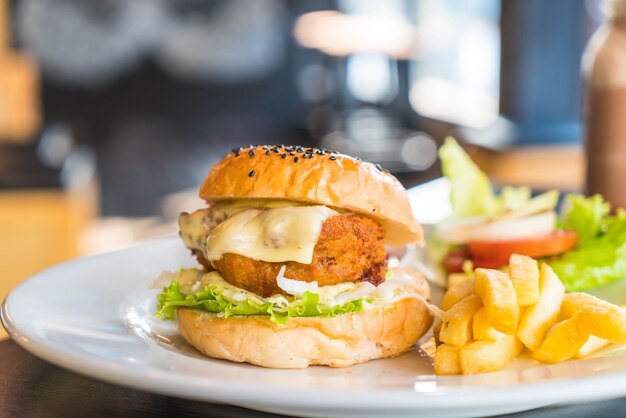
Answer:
(272, 235)
(195, 227)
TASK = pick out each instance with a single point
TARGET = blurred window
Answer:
(478, 63)
(455, 76)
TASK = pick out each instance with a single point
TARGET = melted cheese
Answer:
(195, 227)
(272, 235)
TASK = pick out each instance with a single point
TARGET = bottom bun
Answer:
(385, 330)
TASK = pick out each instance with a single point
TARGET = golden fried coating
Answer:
(202, 260)
(349, 248)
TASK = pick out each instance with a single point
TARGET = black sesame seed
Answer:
(320, 152)
(332, 157)
(374, 210)
(296, 159)
(283, 156)
(251, 153)
(379, 167)
(268, 152)
(276, 150)
(252, 173)
(292, 153)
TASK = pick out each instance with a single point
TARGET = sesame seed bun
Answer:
(319, 177)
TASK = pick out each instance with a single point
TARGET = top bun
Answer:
(315, 176)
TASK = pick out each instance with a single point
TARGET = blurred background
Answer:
(113, 111)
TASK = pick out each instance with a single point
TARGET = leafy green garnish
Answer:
(471, 193)
(600, 255)
(586, 216)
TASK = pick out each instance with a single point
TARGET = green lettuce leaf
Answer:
(600, 255)
(211, 299)
(471, 193)
(586, 216)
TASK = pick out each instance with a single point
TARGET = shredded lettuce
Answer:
(213, 298)
(600, 255)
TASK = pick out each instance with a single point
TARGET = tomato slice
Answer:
(554, 243)
(496, 254)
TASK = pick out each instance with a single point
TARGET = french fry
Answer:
(498, 295)
(565, 340)
(537, 319)
(482, 330)
(456, 293)
(489, 356)
(489, 318)
(455, 279)
(456, 327)
(524, 274)
(577, 301)
(606, 321)
(592, 345)
(436, 331)
(447, 360)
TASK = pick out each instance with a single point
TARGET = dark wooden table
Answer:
(30, 387)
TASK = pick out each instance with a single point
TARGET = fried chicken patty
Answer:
(349, 249)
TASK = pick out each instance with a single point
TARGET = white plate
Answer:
(94, 316)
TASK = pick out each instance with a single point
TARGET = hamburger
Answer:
(294, 266)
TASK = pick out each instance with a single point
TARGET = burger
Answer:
(294, 265)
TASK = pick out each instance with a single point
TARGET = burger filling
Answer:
(282, 260)
(315, 243)
(208, 291)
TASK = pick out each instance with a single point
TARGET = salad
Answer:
(584, 242)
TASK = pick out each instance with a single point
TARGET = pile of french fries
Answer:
(491, 316)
